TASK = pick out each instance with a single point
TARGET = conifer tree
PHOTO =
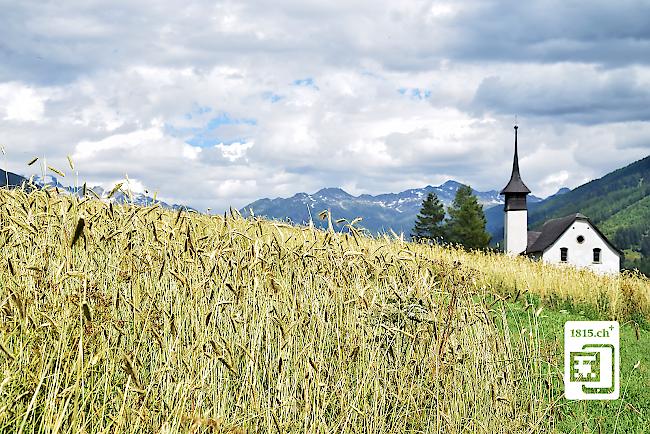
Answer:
(428, 223)
(466, 224)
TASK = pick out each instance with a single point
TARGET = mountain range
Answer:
(119, 196)
(12, 180)
(380, 213)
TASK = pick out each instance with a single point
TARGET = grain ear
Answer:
(78, 231)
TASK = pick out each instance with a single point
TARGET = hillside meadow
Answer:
(138, 319)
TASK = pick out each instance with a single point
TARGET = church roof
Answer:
(515, 185)
(532, 237)
(551, 231)
(538, 242)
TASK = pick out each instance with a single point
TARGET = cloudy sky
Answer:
(220, 103)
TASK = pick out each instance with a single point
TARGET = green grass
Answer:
(630, 413)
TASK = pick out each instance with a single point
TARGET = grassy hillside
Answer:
(130, 319)
(630, 226)
(600, 199)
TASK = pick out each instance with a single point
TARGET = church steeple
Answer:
(515, 185)
(515, 191)
(516, 211)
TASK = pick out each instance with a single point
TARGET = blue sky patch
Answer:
(207, 136)
(415, 93)
(225, 119)
(203, 141)
(307, 82)
(273, 97)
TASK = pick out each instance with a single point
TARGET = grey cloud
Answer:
(601, 32)
(573, 94)
(59, 42)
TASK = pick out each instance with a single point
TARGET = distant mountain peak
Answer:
(47, 180)
(561, 191)
(12, 180)
(139, 199)
(333, 191)
(449, 184)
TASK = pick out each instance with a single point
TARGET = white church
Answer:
(572, 240)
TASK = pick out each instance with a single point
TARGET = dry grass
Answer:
(617, 297)
(126, 319)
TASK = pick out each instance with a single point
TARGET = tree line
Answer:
(465, 224)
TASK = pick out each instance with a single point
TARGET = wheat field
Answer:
(138, 319)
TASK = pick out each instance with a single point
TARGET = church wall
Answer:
(516, 231)
(581, 254)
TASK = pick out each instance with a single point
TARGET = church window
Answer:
(564, 254)
(597, 256)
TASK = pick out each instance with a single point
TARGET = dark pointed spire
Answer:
(515, 185)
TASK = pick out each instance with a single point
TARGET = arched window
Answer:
(597, 256)
(564, 254)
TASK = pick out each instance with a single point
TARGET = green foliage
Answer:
(629, 229)
(600, 199)
(466, 221)
(428, 223)
(627, 236)
(629, 225)
(645, 246)
(642, 264)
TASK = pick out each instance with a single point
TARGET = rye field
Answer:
(127, 319)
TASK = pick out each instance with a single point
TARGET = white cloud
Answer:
(118, 143)
(236, 187)
(191, 152)
(392, 95)
(556, 180)
(134, 185)
(234, 151)
(21, 103)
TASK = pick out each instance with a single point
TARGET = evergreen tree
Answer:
(645, 246)
(466, 224)
(428, 223)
